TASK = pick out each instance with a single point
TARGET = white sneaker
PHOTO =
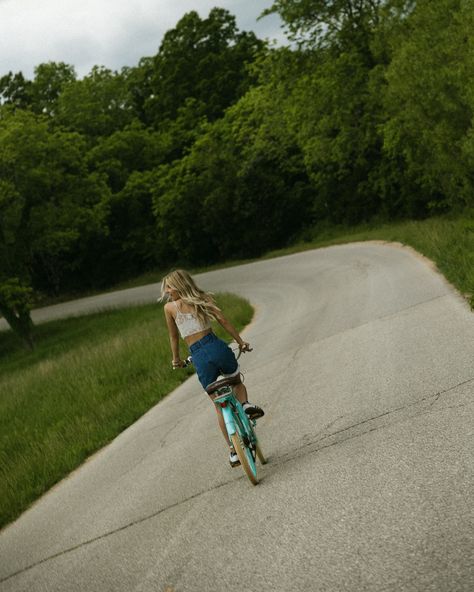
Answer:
(234, 459)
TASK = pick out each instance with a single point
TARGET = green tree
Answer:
(51, 208)
(138, 81)
(327, 22)
(242, 188)
(140, 148)
(336, 124)
(40, 94)
(203, 59)
(128, 159)
(50, 80)
(96, 105)
(336, 105)
(134, 148)
(134, 242)
(15, 90)
(430, 108)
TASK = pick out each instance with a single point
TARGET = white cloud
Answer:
(104, 32)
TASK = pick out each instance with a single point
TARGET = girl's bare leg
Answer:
(240, 392)
(220, 419)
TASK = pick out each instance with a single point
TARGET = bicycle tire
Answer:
(256, 444)
(245, 428)
(244, 461)
(261, 456)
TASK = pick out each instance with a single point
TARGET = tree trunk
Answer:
(20, 323)
(15, 299)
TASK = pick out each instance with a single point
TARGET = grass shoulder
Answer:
(88, 379)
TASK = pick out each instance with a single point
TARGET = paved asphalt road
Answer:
(363, 360)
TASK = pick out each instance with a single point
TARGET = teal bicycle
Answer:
(240, 428)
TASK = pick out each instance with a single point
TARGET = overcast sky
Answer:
(110, 33)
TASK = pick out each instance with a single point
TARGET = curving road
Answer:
(364, 362)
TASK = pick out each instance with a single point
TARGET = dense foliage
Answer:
(223, 146)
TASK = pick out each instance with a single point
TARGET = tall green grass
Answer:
(88, 379)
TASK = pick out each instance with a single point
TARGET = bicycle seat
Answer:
(217, 384)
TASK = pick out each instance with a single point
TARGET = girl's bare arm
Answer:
(173, 335)
(229, 327)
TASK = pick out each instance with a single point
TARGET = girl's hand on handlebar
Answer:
(245, 347)
(181, 363)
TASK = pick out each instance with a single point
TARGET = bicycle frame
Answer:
(239, 426)
(229, 405)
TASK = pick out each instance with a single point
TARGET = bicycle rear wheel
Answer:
(244, 452)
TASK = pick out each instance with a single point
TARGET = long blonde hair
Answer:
(201, 302)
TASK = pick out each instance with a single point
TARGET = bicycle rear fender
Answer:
(229, 420)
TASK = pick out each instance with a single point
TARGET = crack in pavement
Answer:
(305, 449)
(425, 406)
(117, 530)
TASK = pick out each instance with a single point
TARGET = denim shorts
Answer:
(212, 358)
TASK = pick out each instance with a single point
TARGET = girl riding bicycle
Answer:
(189, 314)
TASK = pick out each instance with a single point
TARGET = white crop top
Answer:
(188, 324)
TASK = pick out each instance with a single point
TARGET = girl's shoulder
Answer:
(176, 306)
(184, 307)
(170, 307)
